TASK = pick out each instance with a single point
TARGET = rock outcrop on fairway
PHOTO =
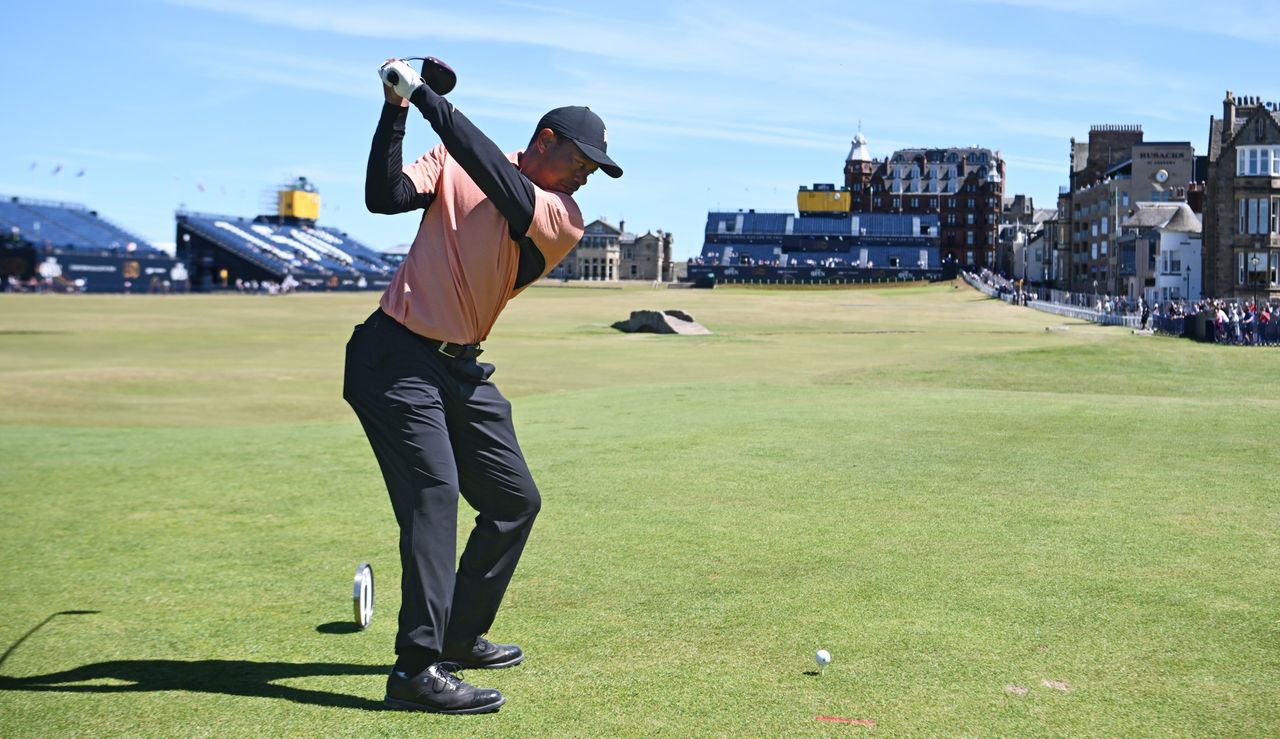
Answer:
(661, 322)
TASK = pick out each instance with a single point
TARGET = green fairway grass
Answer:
(996, 529)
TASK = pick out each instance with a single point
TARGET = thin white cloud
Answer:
(720, 65)
(1250, 21)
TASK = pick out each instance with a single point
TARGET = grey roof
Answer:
(1184, 221)
(612, 228)
(1044, 214)
(1177, 217)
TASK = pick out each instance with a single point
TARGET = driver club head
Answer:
(438, 75)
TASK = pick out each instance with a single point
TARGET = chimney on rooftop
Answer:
(1228, 116)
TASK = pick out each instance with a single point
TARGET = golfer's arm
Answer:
(387, 189)
(481, 159)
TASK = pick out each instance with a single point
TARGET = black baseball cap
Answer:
(586, 130)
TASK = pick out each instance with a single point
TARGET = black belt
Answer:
(455, 351)
(447, 348)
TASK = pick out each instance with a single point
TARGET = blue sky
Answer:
(147, 106)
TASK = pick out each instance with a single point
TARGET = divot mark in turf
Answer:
(843, 720)
(1015, 689)
(1056, 685)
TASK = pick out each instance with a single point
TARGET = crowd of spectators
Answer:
(748, 261)
(266, 287)
(1235, 321)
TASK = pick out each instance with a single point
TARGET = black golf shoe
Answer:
(437, 690)
(484, 655)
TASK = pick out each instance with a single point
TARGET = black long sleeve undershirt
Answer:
(389, 190)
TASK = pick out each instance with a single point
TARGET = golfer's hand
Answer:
(399, 81)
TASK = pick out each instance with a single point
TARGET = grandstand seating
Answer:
(784, 240)
(67, 226)
(284, 246)
(872, 225)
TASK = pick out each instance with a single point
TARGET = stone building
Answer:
(610, 253)
(1110, 174)
(1242, 196)
(646, 257)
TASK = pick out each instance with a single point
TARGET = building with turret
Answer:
(962, 186)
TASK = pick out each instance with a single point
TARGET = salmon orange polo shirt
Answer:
(461, 269)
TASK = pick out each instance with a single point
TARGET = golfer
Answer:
(493, 224)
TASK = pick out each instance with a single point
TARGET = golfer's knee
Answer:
(532, 503)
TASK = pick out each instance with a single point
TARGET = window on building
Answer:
(969, 238)
(1102, 228)
(968, 218)
(1103, 247)
(915, 202)
(1257, 161)
(970, 204)
(1256, 216)
(1275, 268)
(634, 272)
(1093, 228)
(1124, 199)
(877, 202)
(1093, 251)
(968, 257)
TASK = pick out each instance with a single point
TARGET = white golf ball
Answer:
(823, 657)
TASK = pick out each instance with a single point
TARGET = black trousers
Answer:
(440, 428)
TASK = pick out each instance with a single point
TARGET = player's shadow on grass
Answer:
(228, 677)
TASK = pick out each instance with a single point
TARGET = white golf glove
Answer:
(400, 77)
